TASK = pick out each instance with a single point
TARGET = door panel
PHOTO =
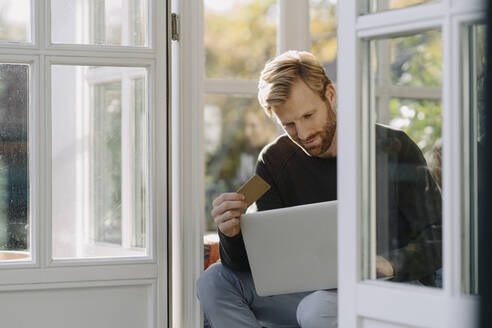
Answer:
(79, 307)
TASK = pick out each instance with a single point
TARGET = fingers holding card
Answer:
(253, 189)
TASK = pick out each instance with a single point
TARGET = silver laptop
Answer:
(292, 249)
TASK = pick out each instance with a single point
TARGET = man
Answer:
(300, 166)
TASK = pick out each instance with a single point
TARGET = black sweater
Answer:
(408, 201)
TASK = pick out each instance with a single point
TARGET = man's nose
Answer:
(303, 132)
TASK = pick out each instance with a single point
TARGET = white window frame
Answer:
(42, 272)
(189, 86)
(148, 64)
(126, 76)
(379, 303)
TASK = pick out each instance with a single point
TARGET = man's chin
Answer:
(313, 152)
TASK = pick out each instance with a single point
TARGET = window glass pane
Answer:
(476, 68)
(14, 162)
(382, 5)
(403, 231)
(99, 161)
(100, 22)
(15, 20)
(236, 130)
(416, 60)
(240, 37)
(323, 28)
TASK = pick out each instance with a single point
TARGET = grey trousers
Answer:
(229, 300)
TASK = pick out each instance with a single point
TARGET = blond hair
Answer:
(280, 73)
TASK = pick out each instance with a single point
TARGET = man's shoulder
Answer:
(383, 130)
(278, 151)
(390, 139)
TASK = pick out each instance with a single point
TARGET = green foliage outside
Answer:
(416, 61)
(240, 41)
(420, 119)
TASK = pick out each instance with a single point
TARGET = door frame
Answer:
(379, 303)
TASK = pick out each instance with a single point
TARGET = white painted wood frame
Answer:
(187, 163)
(189, 86)
(386, 304)
(111, 277)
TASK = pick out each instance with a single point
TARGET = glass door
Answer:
(83, 163)
(403, 261)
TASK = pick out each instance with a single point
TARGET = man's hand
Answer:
(227, 208)
(384, 269)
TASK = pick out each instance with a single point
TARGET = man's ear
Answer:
(331, 94)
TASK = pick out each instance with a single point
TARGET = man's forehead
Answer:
(290, 111)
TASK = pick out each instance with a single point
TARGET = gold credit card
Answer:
(253, 189)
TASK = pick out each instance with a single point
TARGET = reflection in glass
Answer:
(99, 161)
(240, 36)
(403, 233)
(323, 28)
(100, 22)
(236, 129)
(14, 162)
(475, 103)
(382, 5)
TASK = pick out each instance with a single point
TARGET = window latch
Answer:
(174, 27)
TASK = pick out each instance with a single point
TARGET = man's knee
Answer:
(208, 283)
(318, 309)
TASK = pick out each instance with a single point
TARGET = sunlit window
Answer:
(100, 22)
(100, 160)
(15, 20)
(240, 36)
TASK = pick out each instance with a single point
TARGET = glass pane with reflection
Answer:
(15, 20)
(240, 36)
(403, 230)
(100, 22)
(236, 130)
(383, 5)
(15, 231)
(99, 162)
(475, 102)
(323, 28)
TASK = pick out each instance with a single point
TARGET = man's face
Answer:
(309, 120)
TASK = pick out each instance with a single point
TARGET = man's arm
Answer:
(231, 248)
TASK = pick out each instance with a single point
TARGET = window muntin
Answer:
(99, 162)
(236, 130)
(323, 30)
(15, 230)
(404, 226)
(240, 36)
(100, 22)
(474, 100)
(15, 20)
(383, 5)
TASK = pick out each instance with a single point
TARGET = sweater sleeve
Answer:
(419, 213)
(232, 250)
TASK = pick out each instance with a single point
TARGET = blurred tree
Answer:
(240, 40)
(416, 61)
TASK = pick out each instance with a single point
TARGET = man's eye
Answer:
(308, 115)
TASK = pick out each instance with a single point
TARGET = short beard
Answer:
(327, 134)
